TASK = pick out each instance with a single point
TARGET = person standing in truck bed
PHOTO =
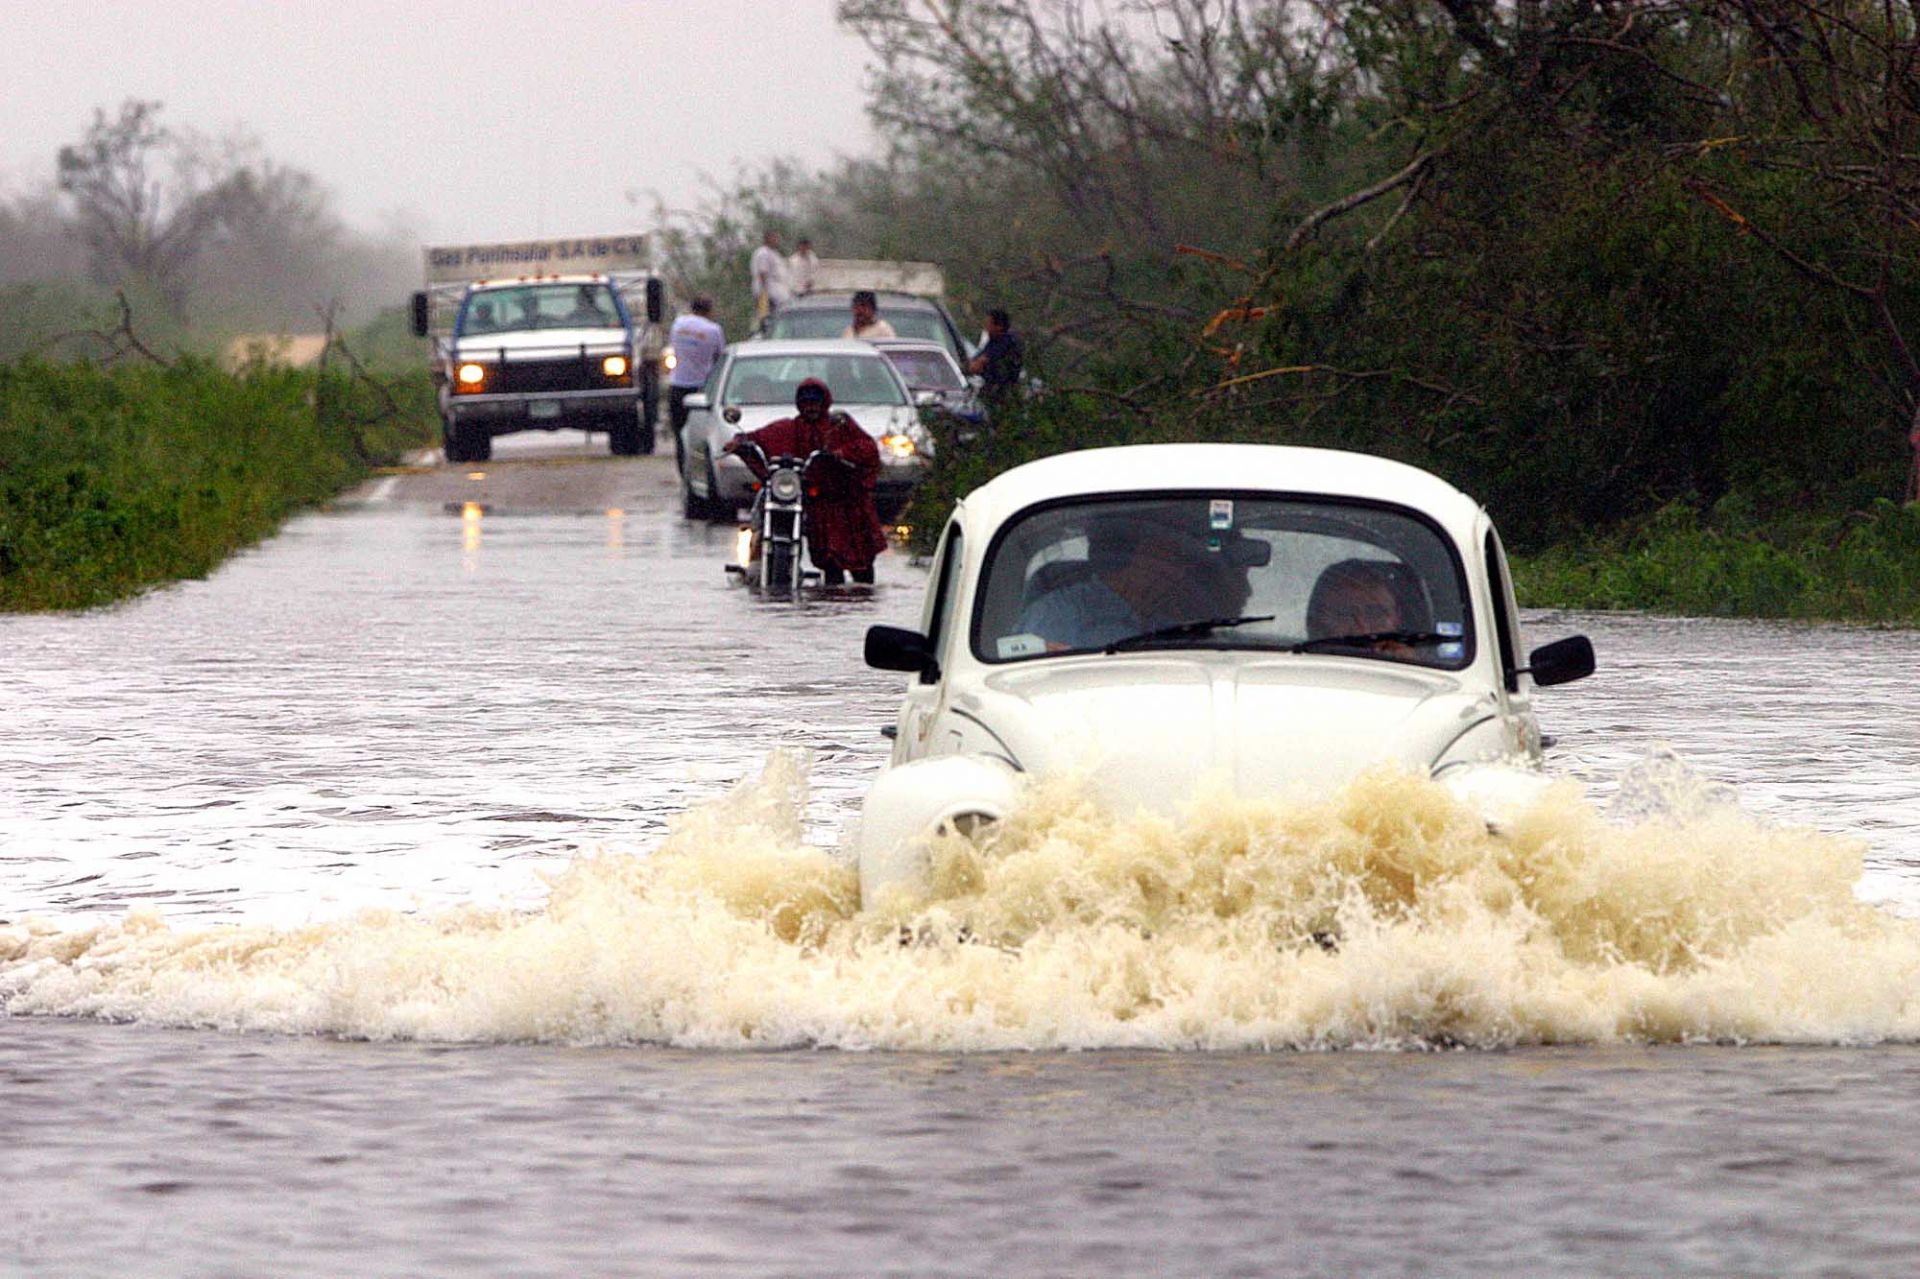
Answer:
(768, 272)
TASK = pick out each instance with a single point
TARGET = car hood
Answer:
(1149, 728)
(539, 343)
(876, 419)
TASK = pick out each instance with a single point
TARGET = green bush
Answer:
(114, 479)
(1863, 566)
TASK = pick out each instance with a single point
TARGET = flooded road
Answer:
(440, 697)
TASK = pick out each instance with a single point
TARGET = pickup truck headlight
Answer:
(614, 366)
(471, 376)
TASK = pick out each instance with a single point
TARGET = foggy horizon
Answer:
(618, 101)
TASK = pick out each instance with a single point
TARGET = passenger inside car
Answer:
(1357, 597)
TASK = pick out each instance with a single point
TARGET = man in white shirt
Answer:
(697, 344)
(802, 267)
(769, 278)
(867, 323)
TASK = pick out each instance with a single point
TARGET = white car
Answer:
(753, 385)
(1157, 617)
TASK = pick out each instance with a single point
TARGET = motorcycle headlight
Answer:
(784, 486)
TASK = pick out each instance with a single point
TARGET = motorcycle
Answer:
(772, 553)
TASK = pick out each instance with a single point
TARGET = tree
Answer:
(144, 204)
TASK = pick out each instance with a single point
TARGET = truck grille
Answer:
(572, 374)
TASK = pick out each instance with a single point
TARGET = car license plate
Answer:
(544, 409)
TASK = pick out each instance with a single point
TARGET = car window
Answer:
(772, 379)
(940, 610)
(1078, 576)
(1502, 590)
(539, 306)
(925, 370)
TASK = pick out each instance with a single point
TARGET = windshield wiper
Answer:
(1181, 630)
(1367, 638)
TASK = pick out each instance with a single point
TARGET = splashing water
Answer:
(1385, 916)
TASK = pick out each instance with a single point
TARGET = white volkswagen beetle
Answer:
(1160, 616)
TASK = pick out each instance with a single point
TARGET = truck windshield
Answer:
(517, 308)
(853, 379)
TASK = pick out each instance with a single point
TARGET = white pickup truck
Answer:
(544, 334)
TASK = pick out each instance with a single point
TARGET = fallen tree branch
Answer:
(1348, 203)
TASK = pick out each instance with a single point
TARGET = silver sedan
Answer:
(753, 384)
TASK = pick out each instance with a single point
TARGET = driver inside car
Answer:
(1143, 574)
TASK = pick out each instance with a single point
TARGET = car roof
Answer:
(804, 346)
(1145, 468)
(909, 344)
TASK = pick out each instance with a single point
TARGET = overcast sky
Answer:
(476, 120)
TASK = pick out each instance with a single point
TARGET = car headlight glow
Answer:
(669, 360)
(614, 366)
(472, 374)
(900, 446)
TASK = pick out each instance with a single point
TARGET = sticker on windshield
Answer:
(1020, 646)
(1220, 513)
(1449, 628)
(1451, 651)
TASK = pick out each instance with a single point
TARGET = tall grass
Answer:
(1863, 566)
(115, 479)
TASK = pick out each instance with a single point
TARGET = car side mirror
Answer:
(731, 413)
(1561, 662)
(656, 299)
(421, 315)
(895, 648)
(926, 399)
(698, 400)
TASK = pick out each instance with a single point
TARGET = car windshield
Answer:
(521, 307)
(810, 322)
(925, 370)
(772, 379)
(1224, 570)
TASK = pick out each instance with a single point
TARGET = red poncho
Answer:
(843, 529)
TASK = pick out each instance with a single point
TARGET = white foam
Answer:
(1386, 915)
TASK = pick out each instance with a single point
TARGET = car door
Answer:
(941, 621)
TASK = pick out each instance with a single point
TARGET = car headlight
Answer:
(784, 486)
(668, 361)
(471, 375)
(901, 447)
(614, 366)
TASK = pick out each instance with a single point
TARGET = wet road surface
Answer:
(451, 686)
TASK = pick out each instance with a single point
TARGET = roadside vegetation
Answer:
(113, 479)
(135, 448)
(1639, 277)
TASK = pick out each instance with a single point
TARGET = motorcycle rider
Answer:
(844, 532)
